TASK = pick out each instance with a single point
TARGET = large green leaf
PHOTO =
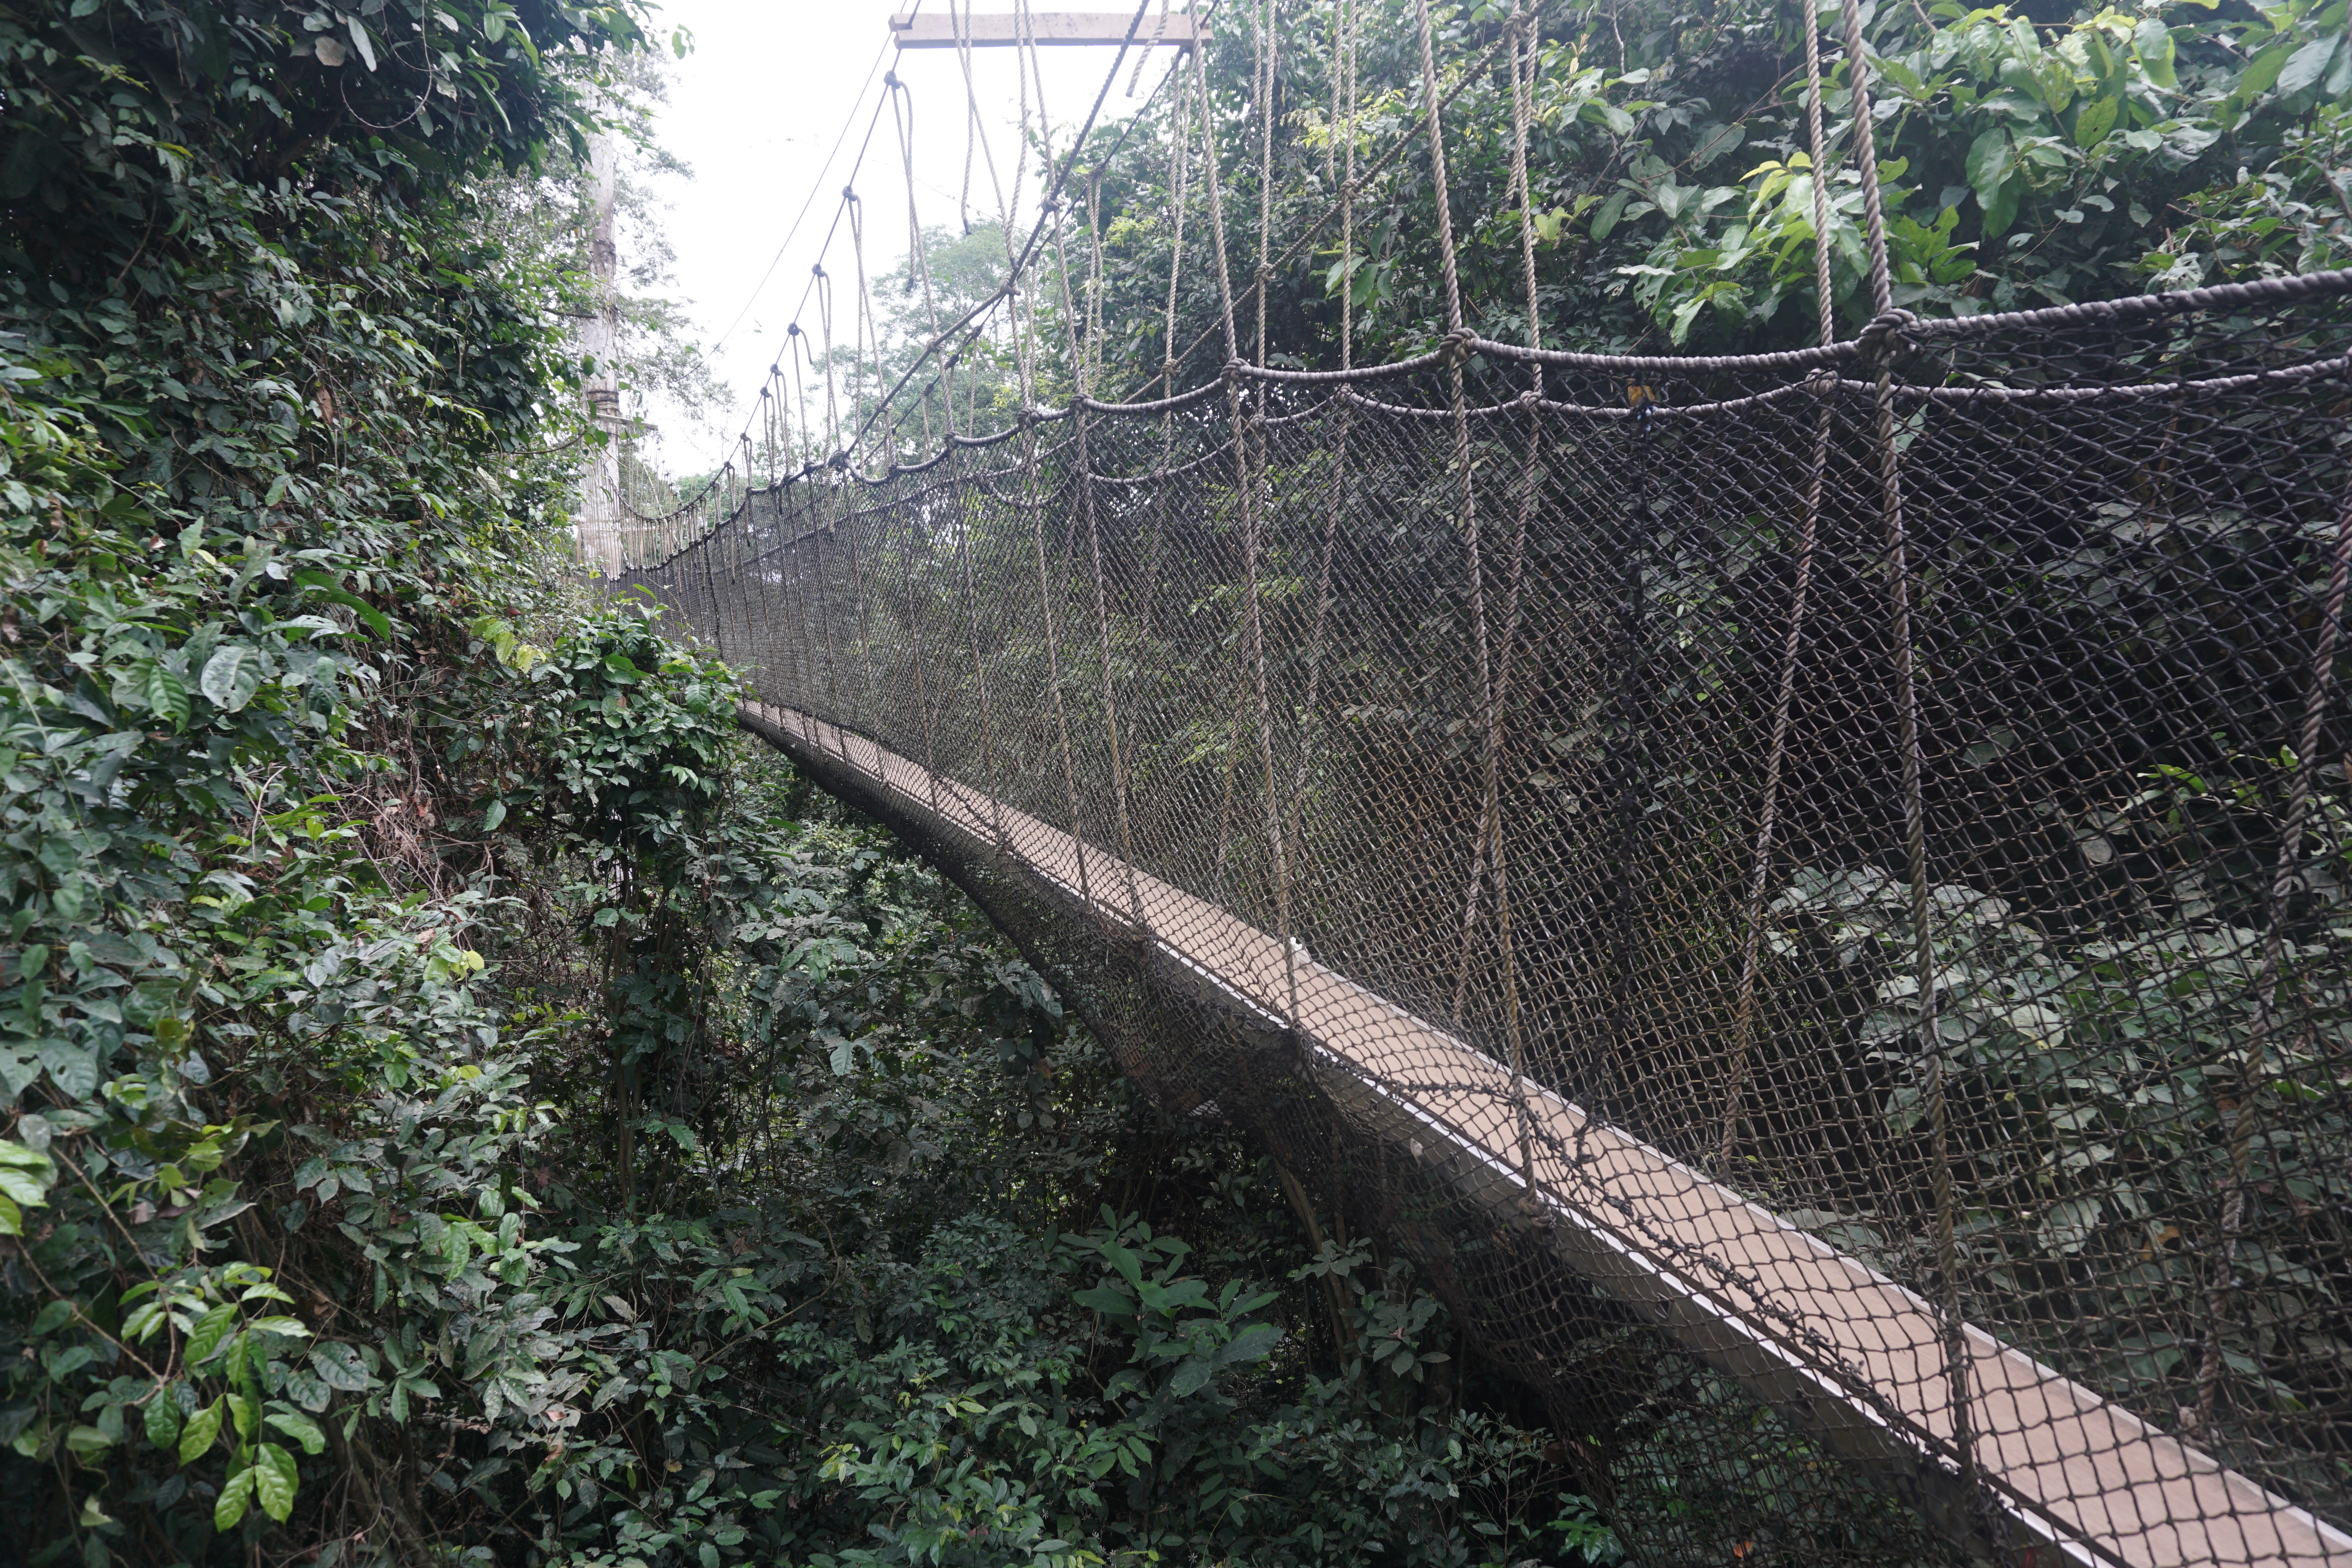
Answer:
(1987, 165)
(275, 1480)
(1605, 220)
(231, 676)
(2098, 118)
(2264, 72)
(197, 1435)
(339, 1366)
(300, 1427)
(233, 1497)
(2152, 42)
(211, 1329)
(164, 693)
(163, 1419)
(2307, 65)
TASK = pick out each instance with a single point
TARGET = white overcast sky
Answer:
(757, 108)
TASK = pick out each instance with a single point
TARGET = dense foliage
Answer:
(457, 1100)
(2030, 155)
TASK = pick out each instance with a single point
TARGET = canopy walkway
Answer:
(1807, 892)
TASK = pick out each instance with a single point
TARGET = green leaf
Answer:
(163, 1418)
(2306, 65)
(231, 676)
(493, 816)
(2152, 42)
(2264, 69)
(276, 1480)
(1253, 1343)
(12, 1218)
(1988, 164)
(2001, 211)
(1715, 144)
(73, 1071)
(24, 1188)
(2098, 118)
(326, 587)
(1605, 220)
(196, 1437)
(211, 1329)
(1107, 1299)
(1190, 1378)
(339, 1366)
(231, 1507)
(300, 1427)
(165, 694)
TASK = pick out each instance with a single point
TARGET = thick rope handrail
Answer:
(1901, 326)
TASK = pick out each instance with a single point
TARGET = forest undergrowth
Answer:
(460, 1101)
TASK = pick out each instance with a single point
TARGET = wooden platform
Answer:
(1851, 1355)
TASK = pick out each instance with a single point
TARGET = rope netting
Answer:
(1811, 893)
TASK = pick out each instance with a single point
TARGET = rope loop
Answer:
(1454, 349)
(1888, 335)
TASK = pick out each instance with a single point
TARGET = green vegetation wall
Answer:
(457, 1101)
(2032, 154)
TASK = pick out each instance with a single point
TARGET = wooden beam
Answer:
(1051, 29)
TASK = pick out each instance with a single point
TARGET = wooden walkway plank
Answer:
(1805, 1328)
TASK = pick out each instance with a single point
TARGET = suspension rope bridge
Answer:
(1810, 879)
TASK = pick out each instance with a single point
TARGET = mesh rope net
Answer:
(1808, 893)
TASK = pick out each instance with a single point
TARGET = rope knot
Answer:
(1232, 373)
(1887, 335)
(1266, 272)
(1455, 347)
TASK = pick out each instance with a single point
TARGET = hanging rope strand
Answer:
(1465, 493)
(1792, 648)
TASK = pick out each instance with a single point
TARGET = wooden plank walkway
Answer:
(1815, 1333)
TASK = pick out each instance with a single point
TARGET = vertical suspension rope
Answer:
(1465, 492)
(1791, 651)
(1027, 353)
(1233, 406)
(2284, 878)
(1252, 460)
(836, 465)
(1265, 36)
(1881, 341)
(912, 534)
(1523, 87)
(1343, 108)
(1079, 360)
